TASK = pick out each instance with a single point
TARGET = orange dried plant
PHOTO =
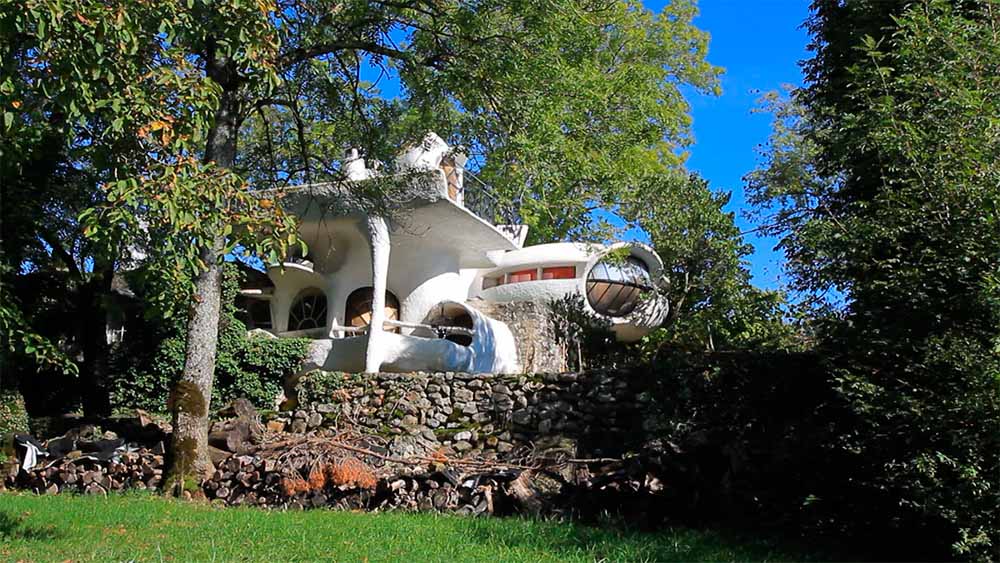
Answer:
(317, 477)
(350, 472)
(292, 486)
(438, 456)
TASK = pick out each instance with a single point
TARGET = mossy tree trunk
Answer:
(191, 398)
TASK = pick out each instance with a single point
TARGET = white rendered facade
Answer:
(393, 295)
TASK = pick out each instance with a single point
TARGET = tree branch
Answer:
(60, 252)
(300, 54)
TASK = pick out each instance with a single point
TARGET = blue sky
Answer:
(759, 44)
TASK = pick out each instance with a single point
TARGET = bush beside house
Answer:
(145, 368)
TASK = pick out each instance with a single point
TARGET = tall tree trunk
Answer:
(192, 395)
(94, 340)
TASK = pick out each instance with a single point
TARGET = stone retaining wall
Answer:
(539, 346)
(597, 413)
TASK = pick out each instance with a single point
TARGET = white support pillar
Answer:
(378, 236)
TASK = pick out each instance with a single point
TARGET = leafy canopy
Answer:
(883, 182)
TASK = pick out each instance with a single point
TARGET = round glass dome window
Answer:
(614, 289)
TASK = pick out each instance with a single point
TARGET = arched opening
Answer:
(451, 315)
(358, 311)
(308, 310)
(614, 289)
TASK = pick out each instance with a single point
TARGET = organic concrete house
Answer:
(416, 292)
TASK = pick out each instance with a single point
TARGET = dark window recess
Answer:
(308, 311)
(254, 313)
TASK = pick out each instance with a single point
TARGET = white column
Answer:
(378, 236)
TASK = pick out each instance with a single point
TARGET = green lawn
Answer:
(148, 528)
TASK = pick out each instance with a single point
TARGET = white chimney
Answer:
(354, 166)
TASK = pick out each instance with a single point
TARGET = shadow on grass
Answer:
(617, 543)
(14, 528)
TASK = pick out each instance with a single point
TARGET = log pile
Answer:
(136, 470)
(352, 481)
(349, 471)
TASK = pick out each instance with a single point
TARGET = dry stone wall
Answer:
(596, 413)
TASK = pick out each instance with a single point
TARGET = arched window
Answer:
(358, 311)
(308, 310)
(614, 289)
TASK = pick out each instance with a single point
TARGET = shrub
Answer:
(258, 367)
(755, 430)
(324, 386)
(818, 443)
(13, 416)
(138, 382)
(250, 367)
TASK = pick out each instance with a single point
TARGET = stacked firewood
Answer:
(350, 482)
(348, 471)
(140, 469)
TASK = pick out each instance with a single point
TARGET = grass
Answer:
(150, 528)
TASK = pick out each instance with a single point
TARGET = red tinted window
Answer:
(522, 276)
(559, 273)
(492, 282)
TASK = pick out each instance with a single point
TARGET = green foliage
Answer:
(192, 203)
(19, 341)
(883, 183)
(13, 416)
(320, 386)
(758, 427)
(142, 533)
(253, 367)
(713, 304)
(587, 337)
(145, 382)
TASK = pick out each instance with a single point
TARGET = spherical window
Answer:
(308, 311)
(614, 289)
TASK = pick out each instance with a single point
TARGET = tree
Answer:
(555, 100)
(883, 181)
(114, 75)
(564, 108)
(50, 165)
(713, 304)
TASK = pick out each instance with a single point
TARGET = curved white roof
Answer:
(556, 252)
